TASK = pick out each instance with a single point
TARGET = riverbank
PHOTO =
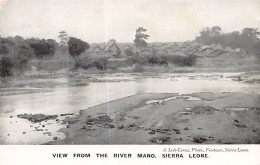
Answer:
(207, 118)
(249, 67)
(83, 77)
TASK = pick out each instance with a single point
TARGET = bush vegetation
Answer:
(76, 46)
(18, 54)
(162, 60)
(6, 66)
(248, 39)
(138, 68)
(87, 63)
(43, 49)
(15, 53)
(129, 52)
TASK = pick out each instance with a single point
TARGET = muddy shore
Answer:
(204, 118)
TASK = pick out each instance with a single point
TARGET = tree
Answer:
(3, 49)
(77, 46)
(22, 56)
(6, 66)
(216, 31)
(140, 38)
(118, 53)
(4, 44)
(129, 52)
(43, 48)
(18, 50)
(154, 51)
(63, 36)
(111, 41)
(248, 39)
(250, 32)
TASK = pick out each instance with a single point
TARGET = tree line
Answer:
(15, 52)
(247, 39)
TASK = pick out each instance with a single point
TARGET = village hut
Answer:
(153, 46)
(225, 54)
(178, 53)
(169, 50)
(207, 51)
(194, 44)
(162, 52)
(204, 47)
(126, 47)
(213, 45)
(237, 50)
(174, 44)
(218, 47)
(164, 46)
(215, 53)
(242, 53)
(186, 44)
(228, 49)
(113, 51)
(146, 52)
(192, 52)
(175, 47)
(184, 49)
(234, 54)
(197, 48)
(96, 51)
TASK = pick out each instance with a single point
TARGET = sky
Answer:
(96, 21)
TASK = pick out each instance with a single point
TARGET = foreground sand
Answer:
(168, 119)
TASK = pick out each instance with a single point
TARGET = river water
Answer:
(69, 95)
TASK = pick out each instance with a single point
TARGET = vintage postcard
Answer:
(175, 81)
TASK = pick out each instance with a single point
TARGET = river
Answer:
(69, 95)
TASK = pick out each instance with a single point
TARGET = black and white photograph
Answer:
(129, 72)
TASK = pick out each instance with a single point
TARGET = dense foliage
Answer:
(248, 39)
(15, 53)
(140, 38)
(76, 46)
(87, 63)
(129, 52)
(162, 60)
(18, 54)
(6, 66)
(43, 48)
